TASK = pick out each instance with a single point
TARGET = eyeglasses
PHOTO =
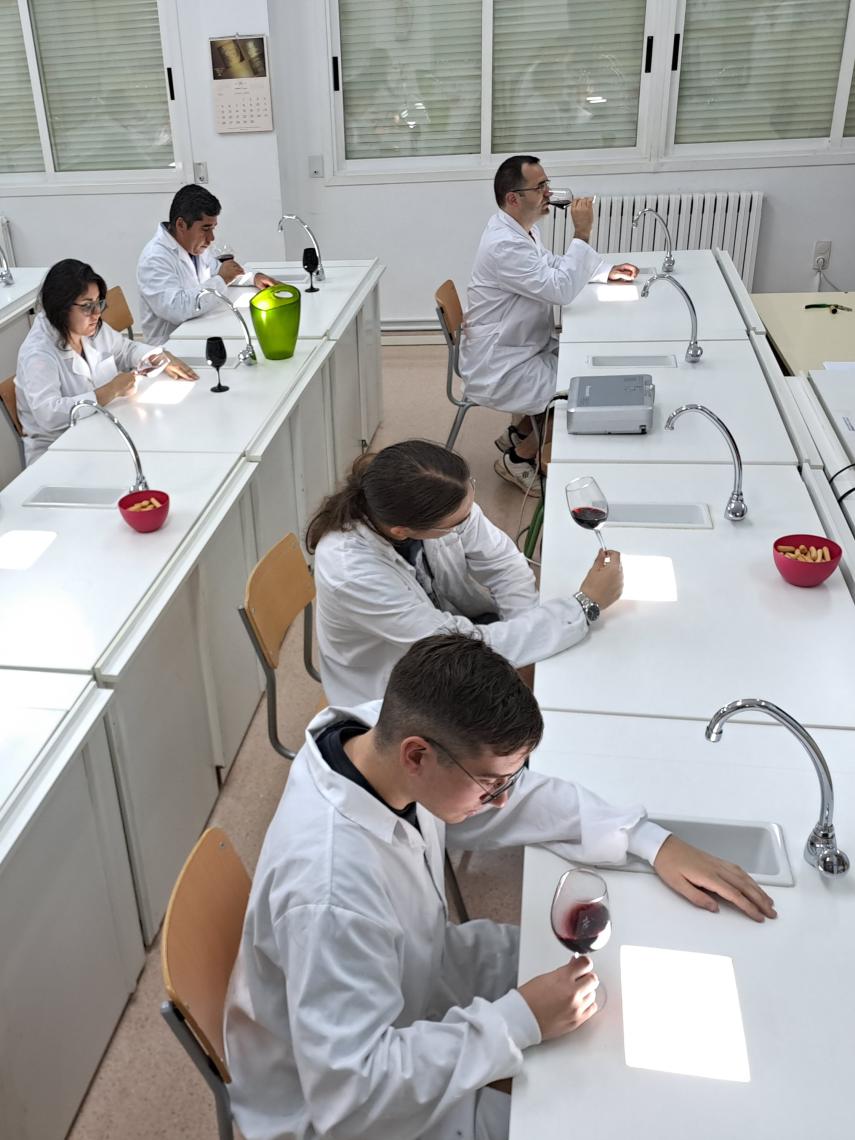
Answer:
(540, 187)
(488, 795)
(90, 308)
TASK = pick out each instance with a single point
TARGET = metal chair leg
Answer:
(454, 889)
(457, 425)
(200, 1059)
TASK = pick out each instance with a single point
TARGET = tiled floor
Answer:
(146, 1088)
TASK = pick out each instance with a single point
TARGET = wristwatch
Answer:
(589, 607)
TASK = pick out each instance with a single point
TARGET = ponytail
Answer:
(343, 508)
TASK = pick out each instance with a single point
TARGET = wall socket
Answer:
(316, 166)
(821, 253)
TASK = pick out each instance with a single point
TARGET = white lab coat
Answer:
(508, 350)
(51, 379)
(371, 608)
(169, 284)
(355, 1008)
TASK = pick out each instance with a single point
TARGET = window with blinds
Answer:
(103, 82)
(20, 147)
(411, 77)
(566, 74)
(761, 70)
(849, 124)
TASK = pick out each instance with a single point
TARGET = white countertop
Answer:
(20, 296)
(728, 380)
(737, 629)
(322, 314)
(664, 314)
(791, 973)
(203, 421)
(64, 611)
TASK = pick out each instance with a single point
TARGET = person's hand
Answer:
(230, 269)
(563, 999)
(697, 876)
(626, 271)
(122, 384)
(178, 370)
(604, 581)
(262, 281)
(582, 213)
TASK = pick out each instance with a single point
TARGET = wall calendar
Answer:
(241, 84)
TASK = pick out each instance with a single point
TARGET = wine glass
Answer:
(310, 264)
(216, 356)
(224, 252)
(580, 915)
(561, 198)
(588, 505)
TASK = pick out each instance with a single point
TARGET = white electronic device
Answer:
(610, 405)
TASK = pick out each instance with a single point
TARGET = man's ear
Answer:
(411, 753)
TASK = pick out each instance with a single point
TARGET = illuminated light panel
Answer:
(21, 549)
(595, 99)
(166, 392)
(625, 292)
(681, 1014)
(648, 578)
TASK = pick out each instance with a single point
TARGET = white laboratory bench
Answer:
(617, 312)
(796, 1007)
(728, 380)
(19, 297)
(70, 943)
(732, 626)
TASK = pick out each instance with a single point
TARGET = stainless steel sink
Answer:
(758, 847)
(688, 516)
(635, 360)
(101, 497)
(201, 362)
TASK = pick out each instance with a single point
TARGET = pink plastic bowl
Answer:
(144, 521)
(805, 573)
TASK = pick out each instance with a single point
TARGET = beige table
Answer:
(804, 338)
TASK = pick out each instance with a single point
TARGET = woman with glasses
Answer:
(402, 551)
(70, 354)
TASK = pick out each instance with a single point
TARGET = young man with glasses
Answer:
(356, 1009)
(508, 348)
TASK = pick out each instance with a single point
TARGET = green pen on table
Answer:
(834, 306)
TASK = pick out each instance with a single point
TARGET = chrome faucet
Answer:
(247, 353)
(821, 849)
(736, 508)
(140, 483)
(6, 277)
(668, 263)
(694, 352)
(319, 275)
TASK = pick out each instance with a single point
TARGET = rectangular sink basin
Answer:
(103, 497)
(201, 362)
(689, 516)
(639, 360)
(757, 847)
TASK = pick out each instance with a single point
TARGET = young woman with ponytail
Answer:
(402, 551)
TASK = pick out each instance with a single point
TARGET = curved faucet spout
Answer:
(140, 483)
(247, 353)
(320, 275)
(694, 352)
(668, 263)
(821, 849)
(6, 277)
(736, 510)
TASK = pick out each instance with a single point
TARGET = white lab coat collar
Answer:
(506, 220)
(164, 238)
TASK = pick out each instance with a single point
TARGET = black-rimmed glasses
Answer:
(488, 795)
(90, 308)
(540, 187)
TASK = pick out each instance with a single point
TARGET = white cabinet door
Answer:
(370, 365)
(274, 493)
(345, 401)
(70, 947)
(312, 447)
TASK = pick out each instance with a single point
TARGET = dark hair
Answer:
(462, 693)
(510, 175)
(192, 203)
(63, 284)
(414, 483)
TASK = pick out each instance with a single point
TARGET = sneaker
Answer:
(524, 475)
(508, 438)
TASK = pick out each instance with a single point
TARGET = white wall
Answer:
(427, 231)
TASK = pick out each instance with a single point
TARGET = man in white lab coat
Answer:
(355, 1008)
(178, 262)
(508, 348)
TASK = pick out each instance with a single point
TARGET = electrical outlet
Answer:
(821, 255)
(316, 166)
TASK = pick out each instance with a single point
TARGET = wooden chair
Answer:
(279, 588)
(450, 314)
(9, 405)
(201, 937)
(117, 314)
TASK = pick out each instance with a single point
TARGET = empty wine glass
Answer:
(580, 915)
(588, 506)
(216, 356)
(310, 264)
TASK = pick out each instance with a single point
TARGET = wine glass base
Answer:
(220, 388)
(312, 289)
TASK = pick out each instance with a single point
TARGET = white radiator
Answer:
(714, 220)
(6, 240)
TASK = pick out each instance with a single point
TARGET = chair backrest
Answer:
(278, 590)
(201, 936)
(117, 314)
(449, 310)
(10, 404)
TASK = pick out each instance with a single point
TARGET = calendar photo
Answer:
(241, 84)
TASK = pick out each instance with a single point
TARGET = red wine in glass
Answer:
(580, 915)
(216, 356)
(310, 264)
(588, 505)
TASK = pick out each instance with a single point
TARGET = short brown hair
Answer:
(510, 175)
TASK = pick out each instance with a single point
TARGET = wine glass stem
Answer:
(603, 545)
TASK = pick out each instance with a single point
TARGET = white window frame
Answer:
(51, 181)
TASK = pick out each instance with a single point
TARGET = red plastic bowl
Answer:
(805, 573)
(144, 521)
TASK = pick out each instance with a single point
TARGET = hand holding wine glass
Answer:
(310, 264)
(216, 356)
(589, 507)
(580, 915)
